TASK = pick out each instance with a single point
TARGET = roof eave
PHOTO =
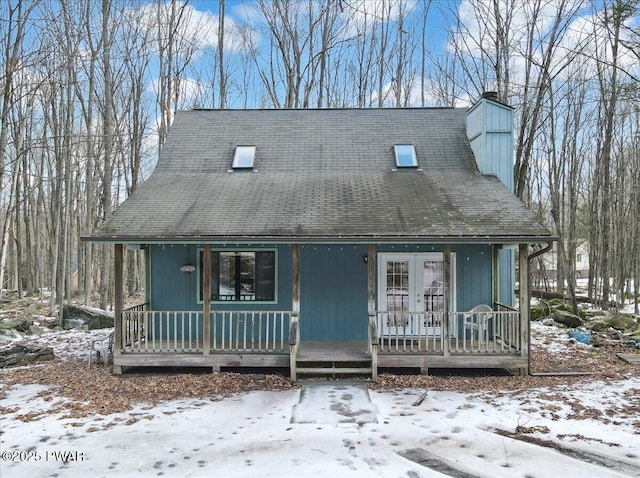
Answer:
(300, 239)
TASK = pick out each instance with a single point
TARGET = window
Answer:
(578, 257)
(405, 156)
(244, 156)
(242, 276)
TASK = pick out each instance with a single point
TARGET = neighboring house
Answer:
(546, 267)
(328, 241)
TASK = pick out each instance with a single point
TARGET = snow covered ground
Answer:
(355, 433)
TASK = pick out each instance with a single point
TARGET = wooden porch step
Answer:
(332, 370)
(333, 351)
(333, 358)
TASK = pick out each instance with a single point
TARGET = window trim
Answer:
(240, 151)
(414, 156)
(236, 303)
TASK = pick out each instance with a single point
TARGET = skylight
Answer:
(405, 156)
(243, 159)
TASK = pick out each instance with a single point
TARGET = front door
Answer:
(410, 284)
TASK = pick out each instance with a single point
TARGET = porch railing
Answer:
(182, 331)
(495, 332)
(486, 332)
(250, 331)
(161, 331)
(401, 331)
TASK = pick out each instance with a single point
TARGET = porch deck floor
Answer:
(335, 350)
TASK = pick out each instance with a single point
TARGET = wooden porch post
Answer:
(206, 300)
(147, 276)
(294, 330)
(296, 279)
(496, 274)
(371, 277)
(117, 305)
(524, 298)
(373, 329)
(446, 325)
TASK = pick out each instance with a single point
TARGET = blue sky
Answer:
(246, 87)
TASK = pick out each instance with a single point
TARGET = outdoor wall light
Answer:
(365, 259)
(188, 268)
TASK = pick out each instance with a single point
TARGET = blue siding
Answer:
(170, 288)
(333, 282)
(474, 275)
(333, 292)
(507, 276)
(490, 133)
(175, 290)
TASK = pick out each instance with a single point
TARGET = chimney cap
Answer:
(490, 95)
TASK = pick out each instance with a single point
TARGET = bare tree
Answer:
(612, 19)
(13, 29)
(222, 93)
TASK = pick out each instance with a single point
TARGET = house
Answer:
(333, 240)
(546, 267)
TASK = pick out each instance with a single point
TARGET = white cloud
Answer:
(189, 91)
(480, 26)
(589, 32)
(412, 90)
(197, 30)
(361, 15)
(583, 40)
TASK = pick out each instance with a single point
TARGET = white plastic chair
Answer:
(477, 321)
(102, 348)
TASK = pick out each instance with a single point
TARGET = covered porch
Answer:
(271, 338)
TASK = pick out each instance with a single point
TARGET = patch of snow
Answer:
(252, 435)
(259, 434)
(552, 338)
(334, 403)
(66, 344)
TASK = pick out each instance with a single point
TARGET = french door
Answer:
(410, 284)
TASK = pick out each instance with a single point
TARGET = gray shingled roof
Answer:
(319, 175)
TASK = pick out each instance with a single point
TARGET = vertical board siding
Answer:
(490, 134)
(333, 295)
(507, 272)
(175, 290)
(334, 284)
(474, 275)
(498, 156)
(170, 288)
(497, 117)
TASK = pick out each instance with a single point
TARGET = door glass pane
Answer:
(433, 283)
(397, 293)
